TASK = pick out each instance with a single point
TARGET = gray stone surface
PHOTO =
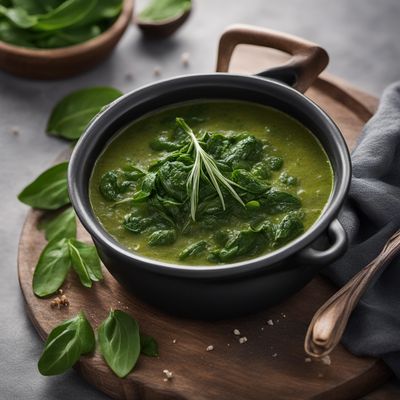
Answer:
(362, 37)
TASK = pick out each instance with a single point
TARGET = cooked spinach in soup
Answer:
(210, 182)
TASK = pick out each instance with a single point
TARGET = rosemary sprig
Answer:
(204, 163)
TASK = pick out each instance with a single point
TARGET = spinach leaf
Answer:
(276, 202)
(66, 14)
(248, 182)
(247, 148)
(49, 190)
(261, 170)
(30, 6)
(146, 189)
(217, 144)
(104, 9)
(162, 143)
(62, 226)
(52, 268)
(162, 237)
(18, 16)
(289, 228)
(148, 346)
(245, 242)
(11, 34)
(67, 37)
(193, 250)
(173, 176)
(85, 262)
(65, 344)
(73, 113)
(275, 163)
(136, 224)
(119, 342)
(113, 185)
(159, 10)
(287, 179)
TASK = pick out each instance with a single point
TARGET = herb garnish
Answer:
(203, 163)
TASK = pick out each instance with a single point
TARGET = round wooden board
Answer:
(271, 365)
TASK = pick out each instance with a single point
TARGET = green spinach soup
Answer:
(210, 182)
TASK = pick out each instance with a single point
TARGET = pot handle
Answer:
(307, 62)
(338, 236)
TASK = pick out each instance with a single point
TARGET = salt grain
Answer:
(270, 322)
(185, 59)
(236, 332)
(243, 340)
(168, 374)
(157, 71)
(210, 348)
(326, 360)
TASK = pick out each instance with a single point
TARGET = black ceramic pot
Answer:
(231, 289)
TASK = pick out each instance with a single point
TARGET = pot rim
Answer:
(103, 238)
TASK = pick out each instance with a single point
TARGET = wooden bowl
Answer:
(164, 28)
(66, 61)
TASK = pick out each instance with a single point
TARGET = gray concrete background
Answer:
(362, 37)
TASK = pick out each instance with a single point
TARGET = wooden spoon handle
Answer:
(329, 322)
(307, 62)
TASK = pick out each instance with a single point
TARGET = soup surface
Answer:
(210, 182)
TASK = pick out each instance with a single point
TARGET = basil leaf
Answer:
(18, 16)
(66, 14)
(52, 268)
(119, 342)
(148, 346)
(85, 262)
(49, 190)
(73, 113)
(62, 226)
(159, 10)
(65, 345)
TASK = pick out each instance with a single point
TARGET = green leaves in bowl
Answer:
(73, 113)
(54, 24)
(161, 10)
(65, 344)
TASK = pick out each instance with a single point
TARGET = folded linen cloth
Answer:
(370, 216)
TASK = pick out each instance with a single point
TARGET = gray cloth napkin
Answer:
(370, 217)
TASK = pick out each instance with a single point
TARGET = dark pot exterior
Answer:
(224, 290)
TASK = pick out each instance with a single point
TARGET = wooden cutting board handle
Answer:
(307, 62)
(329, 322)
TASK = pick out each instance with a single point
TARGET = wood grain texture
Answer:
(66, 61)
(271, 365)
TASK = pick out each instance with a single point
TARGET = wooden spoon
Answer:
(329, 322)
(163, 28)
